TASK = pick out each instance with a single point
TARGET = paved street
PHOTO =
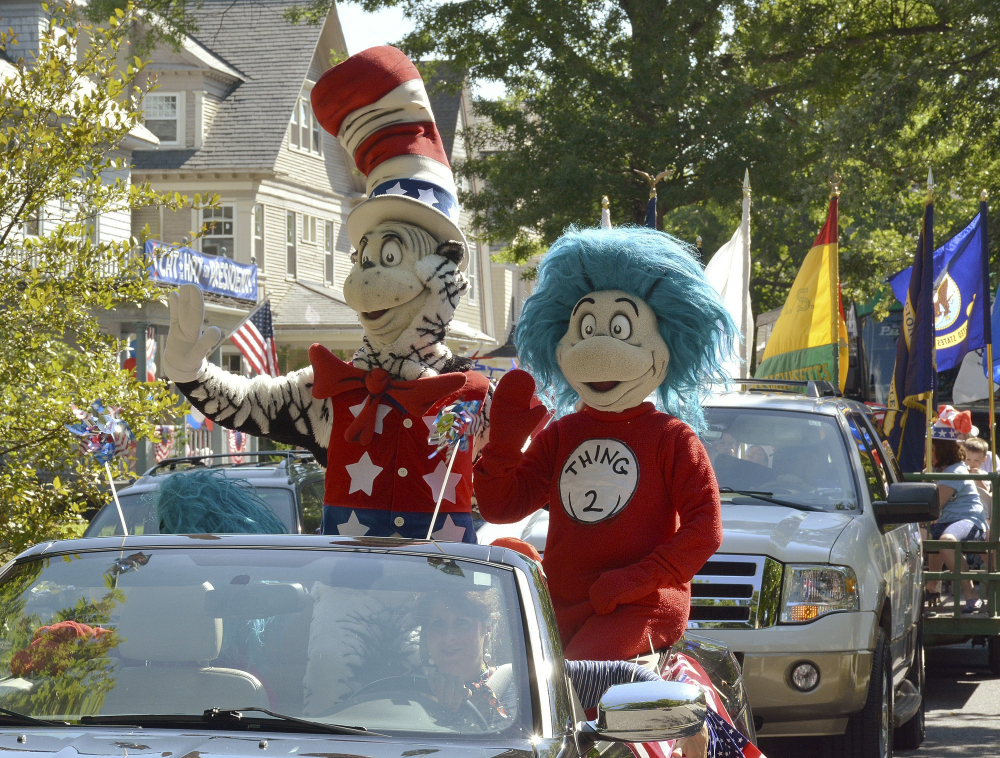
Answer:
(963, 710)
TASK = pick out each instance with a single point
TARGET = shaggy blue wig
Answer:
(209, 502)
(648, 264)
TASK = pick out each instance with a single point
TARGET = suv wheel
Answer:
(869, 731)
(910, 735)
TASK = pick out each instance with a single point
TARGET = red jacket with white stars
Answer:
(634, 513)
(397, 469)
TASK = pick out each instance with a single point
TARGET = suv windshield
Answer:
(374, 641)
(139, 509)
(795, 457)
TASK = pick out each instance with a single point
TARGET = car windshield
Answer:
(140, 512)
(794, 457)
(380, 641)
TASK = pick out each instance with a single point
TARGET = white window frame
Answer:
(304, 124)
(211, 219)
(309, 224)
(258, 235)
(330, 262)
(291, 262)
(179, 117)
(472, 273)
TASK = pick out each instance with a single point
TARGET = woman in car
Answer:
(962, 514)
(455, 631)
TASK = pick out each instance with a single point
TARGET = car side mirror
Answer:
(908, 503)
(650, 712)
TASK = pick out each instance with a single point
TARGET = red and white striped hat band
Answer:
(376, 105)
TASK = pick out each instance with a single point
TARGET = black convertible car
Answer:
(255, 645)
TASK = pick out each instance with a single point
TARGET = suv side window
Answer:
(312, 506)
(875, 476)
(889, 459)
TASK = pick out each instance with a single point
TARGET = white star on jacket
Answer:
(397, 190)
(449, 531)
(380, 413)
(436, 478)
(427, 196)
(352, 527)
(363, 475)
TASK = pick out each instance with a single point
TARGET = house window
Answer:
(290, 243)
(32, 227)
(258, 235)
(328, 245)
(162, 115)
(472, 274)
(308, 228)
(305, 134)
(219, 237)
(233, 363)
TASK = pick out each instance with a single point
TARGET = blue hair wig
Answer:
(209, 502)
(653, 266)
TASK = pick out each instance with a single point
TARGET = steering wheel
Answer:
(420, 686)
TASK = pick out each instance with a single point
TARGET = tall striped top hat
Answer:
(376, 105)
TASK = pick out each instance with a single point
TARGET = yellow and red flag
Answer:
(809, 339)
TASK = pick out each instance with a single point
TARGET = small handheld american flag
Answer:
(255, 339)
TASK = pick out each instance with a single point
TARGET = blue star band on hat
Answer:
(425, 192)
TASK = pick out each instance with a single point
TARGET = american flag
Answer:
(255, 339)
(165, 447)
(237, 444)
(724, 739)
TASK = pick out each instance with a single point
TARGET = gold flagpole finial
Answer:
(654, 180)
(604, 202)
(983, 195)
(697, 242)
(746, 183)
(835, 184)
(930, 184)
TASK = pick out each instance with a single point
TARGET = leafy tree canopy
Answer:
(791, 89)
(64, 114)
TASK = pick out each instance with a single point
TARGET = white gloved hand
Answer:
(187, 345)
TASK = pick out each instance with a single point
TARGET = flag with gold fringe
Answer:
(809, 339)
(915, 372)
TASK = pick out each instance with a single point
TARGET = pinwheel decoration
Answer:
(454, 428)
(104, 435)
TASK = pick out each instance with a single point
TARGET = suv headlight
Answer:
(812, 591)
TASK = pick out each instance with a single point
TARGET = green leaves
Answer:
(791, 89)
(63, 119)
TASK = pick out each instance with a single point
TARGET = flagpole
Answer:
(988, 324)
(929, 412)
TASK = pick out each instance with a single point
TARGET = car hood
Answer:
(785, 534)
(129, 742)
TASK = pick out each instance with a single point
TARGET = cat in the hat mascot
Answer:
(368, 420)
(634, 511)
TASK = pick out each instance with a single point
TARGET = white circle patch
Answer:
(598, 480)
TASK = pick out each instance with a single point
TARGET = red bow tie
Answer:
(332, 377)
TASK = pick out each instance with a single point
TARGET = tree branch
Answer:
(790, 56)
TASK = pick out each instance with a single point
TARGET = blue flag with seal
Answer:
(915, 373)
(960, 294)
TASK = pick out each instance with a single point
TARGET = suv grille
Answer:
(736, 592)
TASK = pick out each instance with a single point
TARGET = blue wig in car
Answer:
(651, 265)
(209, 502)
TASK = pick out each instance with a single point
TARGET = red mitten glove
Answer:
(620, 586)
(512, 420)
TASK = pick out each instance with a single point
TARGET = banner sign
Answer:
(216, 274)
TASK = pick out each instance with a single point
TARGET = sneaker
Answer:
(974, 606)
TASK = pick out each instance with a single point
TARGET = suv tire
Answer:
(910, 736)
(993, 654)
(869, 731)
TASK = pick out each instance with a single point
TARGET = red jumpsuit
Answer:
(634, 513)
